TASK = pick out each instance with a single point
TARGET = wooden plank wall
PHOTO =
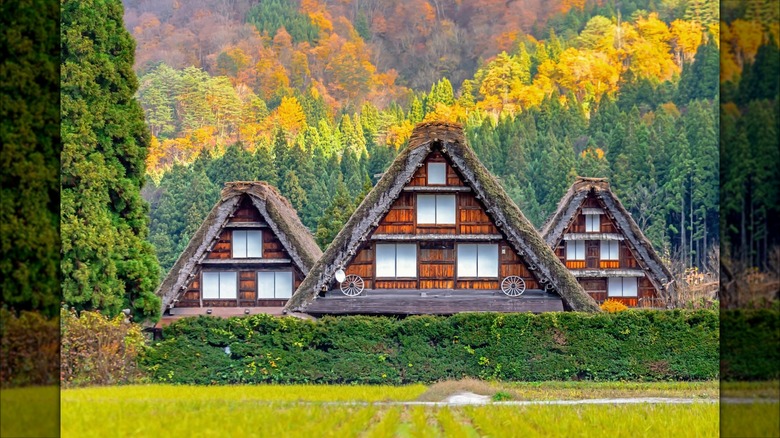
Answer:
(247, 288)
(437, 259)
(597, 287)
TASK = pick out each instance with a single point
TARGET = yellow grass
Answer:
(30, 412)
(304, 411)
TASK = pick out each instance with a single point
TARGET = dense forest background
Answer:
(318, 97)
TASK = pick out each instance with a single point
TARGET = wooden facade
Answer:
(436, 244)
(603, 254)
(274, 259)
(248, 256)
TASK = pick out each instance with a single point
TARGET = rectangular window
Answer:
(575, 250)
(622, 287)
(477, 260)
(437, 173)
(247, 244)
(436, 209)
(592, 223)
(610, 250)
(274, 284)
(396, 260)
(220, 285)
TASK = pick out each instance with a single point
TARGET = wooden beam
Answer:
(593, 236)
(437, 189)
(595, 273)
(246, 225)
(394, 304)
(458, 237)
(245, 262)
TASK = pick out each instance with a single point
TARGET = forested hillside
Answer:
(318, 97)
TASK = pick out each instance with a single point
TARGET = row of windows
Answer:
(575, 250)
(399, 260)
(224, 285)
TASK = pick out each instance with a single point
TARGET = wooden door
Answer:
(592, 254)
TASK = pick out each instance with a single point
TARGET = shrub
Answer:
(613, 306)
(29, 351)
(97, 350)
(749, 339)
(646, 345)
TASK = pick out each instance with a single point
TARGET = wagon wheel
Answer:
(513, 286)
(352, 286)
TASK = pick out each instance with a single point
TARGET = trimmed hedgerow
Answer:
(749, 343)
(630, 345)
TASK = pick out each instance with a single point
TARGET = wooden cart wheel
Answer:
(513, 286)
(352, 286)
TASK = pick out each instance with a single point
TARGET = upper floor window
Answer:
(610, 250)
(436, 209)
(220, 285)
(247, 244)
(437, 173)
(575, 250)
(622, 287)
(396, 260)
(592, 223)
(274, 284)
(478, 260)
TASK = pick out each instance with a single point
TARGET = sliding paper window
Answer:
(274, 284)
(592, 223)
(610, 250)
(477, 260)
(247, 244)
(396, 260)
(622, 287)
(575, 250)
(220, 285)
(437, 173)
(436, 209)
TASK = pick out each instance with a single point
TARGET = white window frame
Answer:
(610, 250)
(618, 286)
(592, 223)
(410, 249)
(441, 217)
(243, 236)
(575, 250)
(221, 282)
(479, 264)
(276, 292)
(443, 167)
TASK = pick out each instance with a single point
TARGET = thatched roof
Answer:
(553, 230)
(275, 209)
(449, 139)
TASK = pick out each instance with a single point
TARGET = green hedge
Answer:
(749, 343)
(631, 345)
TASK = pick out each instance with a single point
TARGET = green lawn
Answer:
(304, 411)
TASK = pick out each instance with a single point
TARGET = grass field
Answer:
(30, 411)
(312, 411)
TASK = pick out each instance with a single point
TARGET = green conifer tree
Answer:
(107, 264)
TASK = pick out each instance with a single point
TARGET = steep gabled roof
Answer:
(449, 139)
(553, 230)
(275, 209)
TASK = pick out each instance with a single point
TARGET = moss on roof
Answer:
(507, 216)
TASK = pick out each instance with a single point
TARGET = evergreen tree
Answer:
(700, 80)
(334, 217)
(107, 264)
(29, 157)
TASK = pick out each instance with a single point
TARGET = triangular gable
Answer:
(282, 219)
(449, 140)
(641, 248)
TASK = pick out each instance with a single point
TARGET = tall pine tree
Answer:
(107, 264)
